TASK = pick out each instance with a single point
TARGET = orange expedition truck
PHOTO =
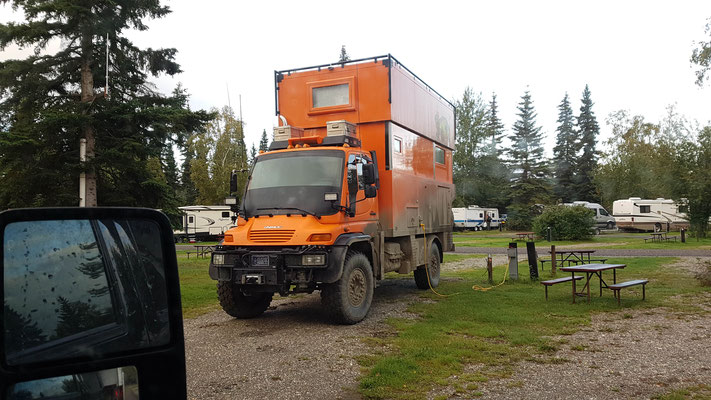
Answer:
(356, 183)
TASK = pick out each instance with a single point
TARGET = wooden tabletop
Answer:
(592, 267)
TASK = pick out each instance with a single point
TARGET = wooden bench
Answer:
(650, 238)
(618, 286)
(670, 238)
(559, 280)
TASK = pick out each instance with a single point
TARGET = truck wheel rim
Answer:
(356, 288)
(434, 266)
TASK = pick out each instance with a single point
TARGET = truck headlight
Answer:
(313, 259)
(218, 258)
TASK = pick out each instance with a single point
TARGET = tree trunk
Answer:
(87, 96)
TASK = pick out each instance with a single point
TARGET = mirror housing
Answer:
(370, 192)
(368, 174)
(73, 265)
(233, 182)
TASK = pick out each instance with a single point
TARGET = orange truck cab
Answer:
(356, 183)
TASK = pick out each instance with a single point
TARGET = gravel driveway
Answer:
(293, 352)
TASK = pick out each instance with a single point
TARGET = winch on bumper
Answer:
(276, 269)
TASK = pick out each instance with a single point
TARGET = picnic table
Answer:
(659, 237)
(523, 236)
(591, 270)
(573, 257)
(201, 250)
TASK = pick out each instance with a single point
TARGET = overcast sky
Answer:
(633, 54)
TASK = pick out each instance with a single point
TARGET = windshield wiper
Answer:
(303, 212)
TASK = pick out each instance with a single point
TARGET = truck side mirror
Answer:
(91, 304)
(368, 174)
(352, 188)
(233, 181)
(370, 192)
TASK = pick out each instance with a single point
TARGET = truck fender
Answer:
(338, 255)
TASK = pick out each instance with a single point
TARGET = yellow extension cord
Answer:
(427, 270)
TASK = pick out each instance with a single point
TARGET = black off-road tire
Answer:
(348, 300)
(433, 267)
(238, 305)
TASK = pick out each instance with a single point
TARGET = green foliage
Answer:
(587, 157)
(564, 154)
(264, 141)
(43, 112)
(471, 130)
(694, 175)
(566, 223)
(218, 150)
(701, 56)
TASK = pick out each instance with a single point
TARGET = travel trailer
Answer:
(603, 219)
(203, 223)
(658, 215)
(474, 217)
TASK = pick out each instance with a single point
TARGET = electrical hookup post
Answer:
(512, 252)
(532, 260)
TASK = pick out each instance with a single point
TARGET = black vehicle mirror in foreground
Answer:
(91, 305)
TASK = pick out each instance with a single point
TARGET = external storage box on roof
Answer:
(408, 124)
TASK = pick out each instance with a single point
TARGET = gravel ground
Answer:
(293, 352)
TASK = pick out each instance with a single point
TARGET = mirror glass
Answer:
(115, 383)
(82, 288)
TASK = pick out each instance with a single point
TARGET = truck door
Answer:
(363, 206)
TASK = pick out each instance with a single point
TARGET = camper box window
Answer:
(439, 155)
(644, 209)
(329, 96)
(225, 214)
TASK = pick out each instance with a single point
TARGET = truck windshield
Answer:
(284, 183)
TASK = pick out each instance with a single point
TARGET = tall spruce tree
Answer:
(264, 142)
(587, 156)
(564, 153)
(471, 133)
(252, 154)
(529, 185)
(51, 101)
(494, 127)
(343, 57)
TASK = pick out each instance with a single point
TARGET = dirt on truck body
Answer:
(357, 183)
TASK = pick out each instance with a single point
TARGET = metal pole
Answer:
(82, 176)
(554, 265)
(489, 266)
(513, 260)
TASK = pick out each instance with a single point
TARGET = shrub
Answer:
(566, 223)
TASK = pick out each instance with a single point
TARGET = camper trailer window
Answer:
(397, 145)
(190, 220)
(439, 155)
(683, 209)
(329, 96)
(644, 209)
(225, 214)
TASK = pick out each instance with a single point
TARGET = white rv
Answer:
(204, 223)
(658, 215)
(603, 219)
(474, 217)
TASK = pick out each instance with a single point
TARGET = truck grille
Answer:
(271, 235)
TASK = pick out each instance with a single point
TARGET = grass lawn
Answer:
(621, 240)
(197, 290)
(493, 330)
